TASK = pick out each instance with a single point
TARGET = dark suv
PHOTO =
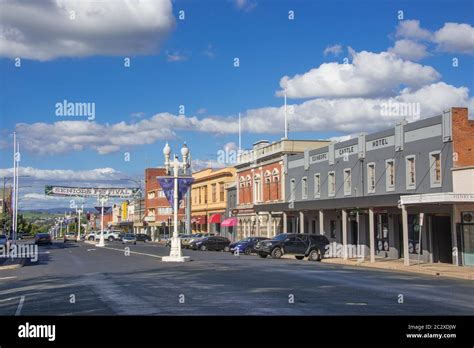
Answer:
(301, 245)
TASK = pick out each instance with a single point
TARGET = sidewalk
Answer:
(435, 269)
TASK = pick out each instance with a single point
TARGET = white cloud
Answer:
(334, 49)
(201, 111)
(351, 115)
(245, 5)
(411, 29)
(44, 30)
(455, 37)
(33, 174)
(209, 52)
(410, 50)
(369, 75)
(175, 56)
(66, 136)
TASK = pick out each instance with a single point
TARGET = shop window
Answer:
(317, 185)
(347, 182)
(371, 177)
(331, 184)
(381, 232)
(390, 175)
(304, 188)
(435, 169)
(414, 228)
(410, 172)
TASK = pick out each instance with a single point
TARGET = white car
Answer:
(108, 235)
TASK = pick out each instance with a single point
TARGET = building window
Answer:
(151, 211)
(151, 194)
(221, 192)
(257, 188)
(435, 169)
(371, 177)
(276, 182)
(331, 184)
(304, 188)
(347, 182)
(390, 175)
(204, 188)
(410, 172)
(213, 193)
(200, 195)
(292, 189)
(317, 185)
(165, 211)
(161, 194)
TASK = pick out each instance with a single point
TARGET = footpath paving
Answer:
(436, 269)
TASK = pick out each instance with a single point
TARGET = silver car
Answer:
(129, 238)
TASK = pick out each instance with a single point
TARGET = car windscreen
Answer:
(281, 237)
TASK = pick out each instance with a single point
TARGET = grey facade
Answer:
(352, 189)
(231, 192)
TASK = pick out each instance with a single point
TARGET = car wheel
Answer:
(203, 248)
(111, 239)
(90, 238)
(247, 251)
(299, 257)
(226, 249)
(277, 253)
(314, 255)
(263, 256)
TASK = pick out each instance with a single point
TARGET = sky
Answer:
(194, 66)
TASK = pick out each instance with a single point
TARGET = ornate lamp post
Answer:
(102, 200)
(176, 255)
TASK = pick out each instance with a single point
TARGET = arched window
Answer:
(257, 188)
(276, 175)
(242, 182)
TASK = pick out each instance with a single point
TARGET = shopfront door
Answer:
(442, 243)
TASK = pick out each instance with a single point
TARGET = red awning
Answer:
(215, 219)
(229, 222)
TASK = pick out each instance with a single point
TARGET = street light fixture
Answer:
(176, 255)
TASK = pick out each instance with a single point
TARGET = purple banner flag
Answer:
(167, 185)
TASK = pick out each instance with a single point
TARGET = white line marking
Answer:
(7, 299)
(20, 306)
(134, 252)
(90, 249)
(5, 278)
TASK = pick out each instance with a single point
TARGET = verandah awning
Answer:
(215, 219)
(229, 222)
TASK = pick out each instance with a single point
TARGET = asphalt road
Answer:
(81, 279)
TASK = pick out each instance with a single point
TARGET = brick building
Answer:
(260, 181)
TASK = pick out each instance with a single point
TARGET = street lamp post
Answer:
(79, 211)
(103, 200)
(176, 255)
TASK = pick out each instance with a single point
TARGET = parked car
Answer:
(211, 243)
(142, 237)
(24, 235)
(3, 239)
(246, 246)
(196, 237)
(71, 236)
(129, 238)
(43, 238)
(108, 235)
(300, 245)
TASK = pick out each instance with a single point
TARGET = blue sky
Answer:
(203, 77)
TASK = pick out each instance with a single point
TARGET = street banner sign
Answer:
(167, 185)
(66, 191)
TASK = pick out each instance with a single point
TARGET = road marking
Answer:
(7, 299)
(356, 303)
(5, 278)
(20, 306)
(90, 249)
(134, 252)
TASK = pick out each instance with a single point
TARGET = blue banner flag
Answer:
(167, 185)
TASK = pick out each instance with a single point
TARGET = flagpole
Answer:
(17, 159)
(14, 188)
(286, 119)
